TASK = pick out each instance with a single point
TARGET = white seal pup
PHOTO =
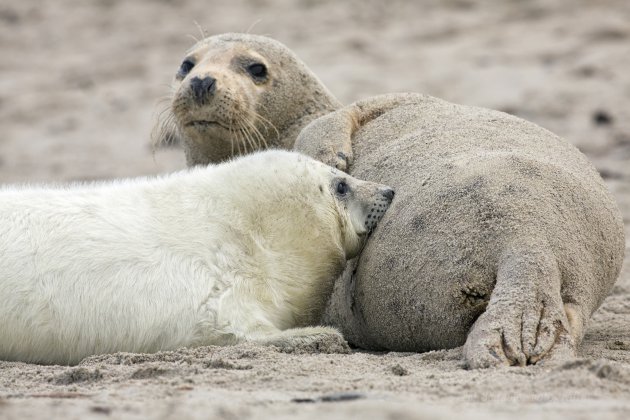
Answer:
(244, 251)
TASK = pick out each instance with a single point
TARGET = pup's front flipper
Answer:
(306, 340)
(525, 321)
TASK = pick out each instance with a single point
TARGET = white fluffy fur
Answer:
(216, 255)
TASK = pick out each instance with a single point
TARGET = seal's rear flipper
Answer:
(525, 321)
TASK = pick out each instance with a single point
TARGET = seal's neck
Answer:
(321, 103)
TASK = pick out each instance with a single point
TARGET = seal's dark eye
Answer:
(342, 188)
(257, 70)
(185, 68)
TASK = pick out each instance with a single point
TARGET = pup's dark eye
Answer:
(185, 68)
(342, 188)
(257, 70)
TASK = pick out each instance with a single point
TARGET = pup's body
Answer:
(216, 255)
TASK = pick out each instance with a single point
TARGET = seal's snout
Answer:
(379, 206)
(202, 89)
(388, 193)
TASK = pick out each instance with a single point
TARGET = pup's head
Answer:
(360, 206)
(306, 219)
(238, 93)
(312, 204)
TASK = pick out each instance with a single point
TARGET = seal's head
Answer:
(237, 93)
(360, 206)
(363, 205)
(332, 210)
(305, 219)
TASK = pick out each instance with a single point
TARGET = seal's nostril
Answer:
(202, 88)
(388, 193)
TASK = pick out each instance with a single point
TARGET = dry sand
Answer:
(78, 89)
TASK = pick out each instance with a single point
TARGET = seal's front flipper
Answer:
(525, 321)
(329, 138)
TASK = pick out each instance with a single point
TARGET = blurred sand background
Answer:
(79, 85)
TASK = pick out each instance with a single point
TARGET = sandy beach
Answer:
(80, 86)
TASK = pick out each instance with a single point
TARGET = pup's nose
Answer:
(202, 88)
(388, 193)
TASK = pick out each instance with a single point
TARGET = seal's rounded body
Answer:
(497, 222)
(199, 257)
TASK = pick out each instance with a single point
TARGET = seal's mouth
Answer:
(205, 124)
(375, 215)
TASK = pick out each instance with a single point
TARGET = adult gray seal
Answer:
(499, 225)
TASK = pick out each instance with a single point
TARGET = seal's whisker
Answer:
(201, 31)
(165, 112)
(232, 134)
(261, 137)
(250, 142)
(245, 139)
(251, 121)
(168, 86)
(262, 142)
(180, 105)
(254, 130)
(243, 142)
(234, 131)
(239, 141)
(242, 134)
(244, 125)
(265, 122)
(247, 134)
(256, 22)
(165, 124)
(165, 98)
